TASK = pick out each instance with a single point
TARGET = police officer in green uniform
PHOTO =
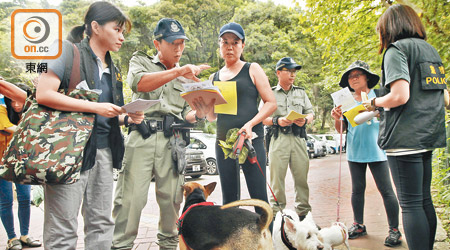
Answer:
(287, 145)
(146, 148)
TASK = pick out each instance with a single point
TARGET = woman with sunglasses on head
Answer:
(413, 121)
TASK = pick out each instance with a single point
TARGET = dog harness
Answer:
(180, 220)
(343, 232)
(284, 238)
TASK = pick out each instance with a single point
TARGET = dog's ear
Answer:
(210, 187)
(290, 225)
(187, 189)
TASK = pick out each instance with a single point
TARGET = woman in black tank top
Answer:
(251, 82)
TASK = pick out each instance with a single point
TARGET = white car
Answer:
(333, 141)
(205, 143)
(320, 148)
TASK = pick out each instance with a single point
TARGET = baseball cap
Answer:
(234, 28)
(288, 63)
(169, 30)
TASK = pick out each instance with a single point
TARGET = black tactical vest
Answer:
(420, 123)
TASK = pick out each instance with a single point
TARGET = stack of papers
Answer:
(205, 89)
(139, 105)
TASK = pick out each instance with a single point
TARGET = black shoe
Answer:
(356, 230)
(394, 238)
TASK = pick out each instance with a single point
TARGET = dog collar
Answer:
(284, 238)
(180, 220)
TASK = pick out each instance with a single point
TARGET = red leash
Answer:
(253, 159)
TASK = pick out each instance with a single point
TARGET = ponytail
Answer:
(76, 34)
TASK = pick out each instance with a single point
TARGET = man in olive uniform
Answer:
(146, 154)
(287, 147)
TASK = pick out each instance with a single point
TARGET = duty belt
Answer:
(285, 130)
(152, 125)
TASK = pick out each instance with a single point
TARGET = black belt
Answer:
(153, 126)
(286, 130)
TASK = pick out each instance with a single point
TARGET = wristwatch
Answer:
(197, 119)
(125, 121)
(275, 120)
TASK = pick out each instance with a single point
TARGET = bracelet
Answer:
(197, 119)
(275, 120)
(125, 121)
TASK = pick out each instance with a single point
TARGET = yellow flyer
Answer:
(228, 90)
(352, 113)
(292, 116)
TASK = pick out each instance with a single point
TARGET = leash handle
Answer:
(238, 144)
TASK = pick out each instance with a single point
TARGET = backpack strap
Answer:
(72, 69)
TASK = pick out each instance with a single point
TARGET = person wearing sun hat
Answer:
(372, 78)
(287, 143)
(363, 151)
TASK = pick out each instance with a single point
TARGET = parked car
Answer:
(333, 141)
(196, 164)
(205, 143)
(320, 148)
(310, 149)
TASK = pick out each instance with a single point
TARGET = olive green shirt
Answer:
(294, 99)
(169, 94)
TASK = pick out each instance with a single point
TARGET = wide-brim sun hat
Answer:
(372, 78)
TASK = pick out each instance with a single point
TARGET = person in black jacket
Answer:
(413, 121)
(104, 25)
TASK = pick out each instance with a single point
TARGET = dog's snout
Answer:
(320, 247)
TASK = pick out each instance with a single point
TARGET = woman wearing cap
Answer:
(363, 150)
(251, 83)
(415, 86)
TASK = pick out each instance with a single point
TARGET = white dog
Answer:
(301, 235)
(333, 236)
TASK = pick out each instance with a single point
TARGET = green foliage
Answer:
(440, 183)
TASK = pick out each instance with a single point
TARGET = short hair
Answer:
(398, 22)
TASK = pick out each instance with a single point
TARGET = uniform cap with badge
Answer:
(169, 30)
(288, 63)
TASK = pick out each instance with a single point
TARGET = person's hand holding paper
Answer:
(136, 118)
(283, 122)
(202, 108)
